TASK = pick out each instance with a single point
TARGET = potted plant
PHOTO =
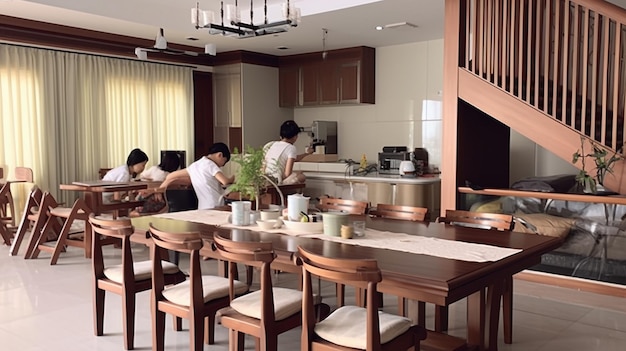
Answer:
(603, 166)
(250, 180)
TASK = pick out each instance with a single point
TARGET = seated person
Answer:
(169, 164)
(135, 164)
(205, 176)
(280, 156)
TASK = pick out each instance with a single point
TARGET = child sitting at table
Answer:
(135, 164)
(205, 176)
(169, 163)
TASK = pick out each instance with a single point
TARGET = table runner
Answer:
(451, 249)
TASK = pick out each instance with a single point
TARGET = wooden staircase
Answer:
(553, 70)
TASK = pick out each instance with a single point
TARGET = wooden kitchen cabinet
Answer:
(346, 76)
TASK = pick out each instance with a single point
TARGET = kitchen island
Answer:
(336, 179)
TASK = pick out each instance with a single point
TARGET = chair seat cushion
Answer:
(347, 326)
(286, 303)
(64, 211)
(142, 270)
(213, 287)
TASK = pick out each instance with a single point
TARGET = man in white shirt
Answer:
(206, 177)
(281, 155)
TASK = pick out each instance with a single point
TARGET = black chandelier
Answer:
(229, 21)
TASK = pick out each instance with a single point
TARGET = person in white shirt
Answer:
(280, 155)
(205, 176)
(169, 164)
(135, 164)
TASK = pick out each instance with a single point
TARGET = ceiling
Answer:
(348, 23)
(347, 27)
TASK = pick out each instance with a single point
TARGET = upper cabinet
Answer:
(345, 76)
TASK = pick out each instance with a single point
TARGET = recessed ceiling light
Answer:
(380, 27)
(192, 38)
(282, 48)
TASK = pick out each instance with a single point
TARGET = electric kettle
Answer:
(407, 168)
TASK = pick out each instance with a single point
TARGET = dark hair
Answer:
(170, 161)
(220, 147)
(289, 129)
(136, 156)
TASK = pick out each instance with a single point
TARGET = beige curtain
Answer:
(66, 115)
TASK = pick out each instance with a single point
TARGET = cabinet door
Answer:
(289, 79)
(235, 100)
(329, 82)
(221, 98)
(349, 82)
(309, 85)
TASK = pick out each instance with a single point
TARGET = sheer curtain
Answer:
(66, 115)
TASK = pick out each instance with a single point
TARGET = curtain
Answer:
(65, 115)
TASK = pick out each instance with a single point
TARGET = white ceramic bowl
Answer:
(269, 214)
(307, 227)
(266, 224)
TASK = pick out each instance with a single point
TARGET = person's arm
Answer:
(223, 179)
(177, 177)
(288, 168)
(307, 151)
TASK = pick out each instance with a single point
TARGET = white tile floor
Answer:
(45, 307)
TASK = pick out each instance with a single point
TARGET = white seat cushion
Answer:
(347, 327)
(214, 287)
(286, 303)
(142, 270)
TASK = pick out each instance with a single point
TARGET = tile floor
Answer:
(45, 307)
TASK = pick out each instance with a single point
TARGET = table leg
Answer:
(476, 319)
(416, 311)
(492, 314)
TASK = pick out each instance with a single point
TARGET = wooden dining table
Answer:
(92, 192)
(418, 277)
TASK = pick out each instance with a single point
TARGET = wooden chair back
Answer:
(30, 216)
(350, 206)
(493, 221)
(24, 174)
(363, 274)
(409, 213)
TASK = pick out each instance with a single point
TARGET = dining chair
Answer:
(335, 204)
(349, 206)
(30, 218)
(407, 213)
(410, 213)
(197, 299)
(488, 221)
(265, 313)
(8, 215)
(70, 233)
(48, 202)
(126, 277)
(352, 327)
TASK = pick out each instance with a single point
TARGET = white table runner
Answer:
(450, 249)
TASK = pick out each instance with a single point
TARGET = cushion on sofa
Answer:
(543, 224)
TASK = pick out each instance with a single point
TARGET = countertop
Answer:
(373, 177)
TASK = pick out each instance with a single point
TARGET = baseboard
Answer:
(587, 285)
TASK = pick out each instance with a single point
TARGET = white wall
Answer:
(406, 76)
(529, 159)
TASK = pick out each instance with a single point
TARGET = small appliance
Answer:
(389, 160)
(407, 169)
(323, 133)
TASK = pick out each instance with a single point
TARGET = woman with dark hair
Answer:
(135, 164)
(169, 163)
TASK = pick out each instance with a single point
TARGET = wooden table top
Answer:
(422, 277)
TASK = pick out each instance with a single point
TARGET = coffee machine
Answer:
(323, 133)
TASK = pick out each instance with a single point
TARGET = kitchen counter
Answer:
(372, 177)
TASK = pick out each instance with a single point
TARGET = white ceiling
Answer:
(351, 26)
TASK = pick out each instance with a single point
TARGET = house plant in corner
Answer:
(603, 165)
